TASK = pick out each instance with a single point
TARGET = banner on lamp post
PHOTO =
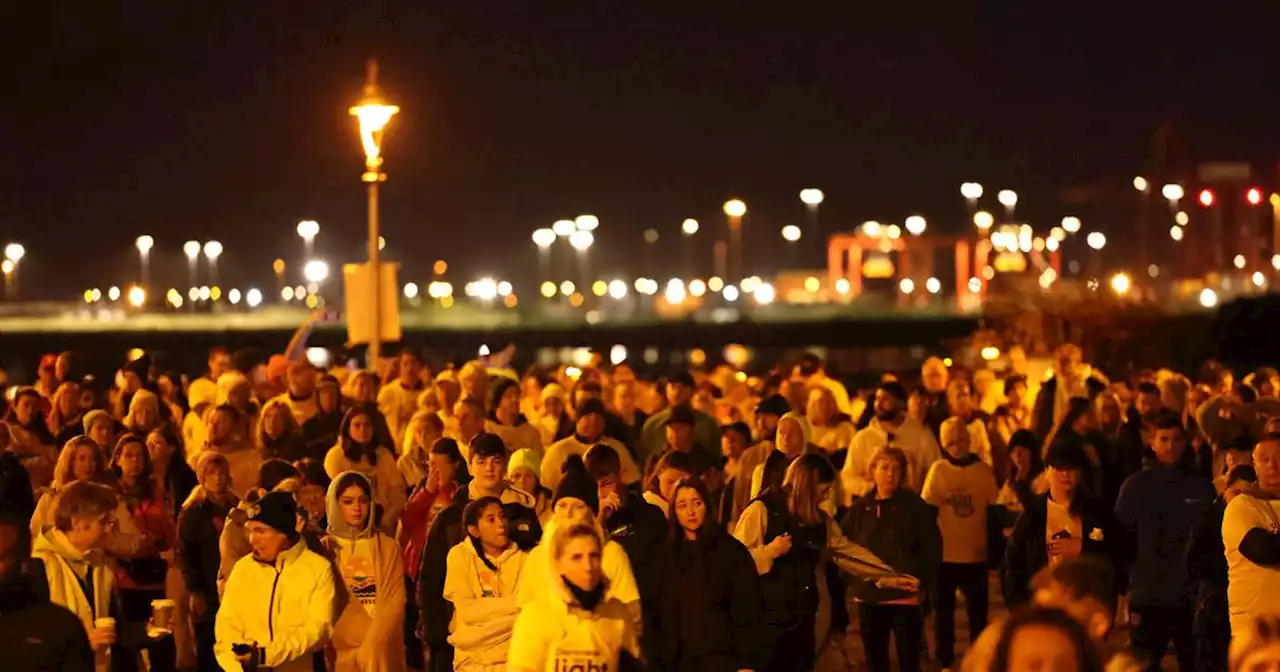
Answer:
(358, 288)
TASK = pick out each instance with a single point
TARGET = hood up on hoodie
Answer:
(805, 428)
(337, 525)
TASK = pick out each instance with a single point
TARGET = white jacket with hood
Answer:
(285, 607)
(554, 633)
(485, 597)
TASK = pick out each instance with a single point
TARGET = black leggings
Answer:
(793, 647)
(905, 621)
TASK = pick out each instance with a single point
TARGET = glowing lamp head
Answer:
(915, 225)
(191, 248)
(735, 208)
(586, 222)
(791, 233)
(564, 228)
(983, 220)
(1173, 192)
(1071, 224)
(871, 229)
(14, 252)
(137, 296)
(812, 197)
(1208, 298)
(144, 244)
(213, 250)
(1206, 197)
(1140, 183)
(1096, 240)
(1176, 233)
(315, 271)
(373, 115)
(971, 191)
(688, 227)
(1007, 197)
(1120, 284)
(1254, 196)
(581, 240)
(544, 238)
(308, 228)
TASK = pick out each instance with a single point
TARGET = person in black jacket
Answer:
(1207, 565)
(708, 605)
(901, 529)
(199, 529)
(638, 526)
(35, 634)
(1076, 523)
(320, 431)
(488, 466)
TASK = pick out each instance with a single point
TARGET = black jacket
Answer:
(199, 529)
(708, 606)
(36, 634)
(446, 532)
(1027, 551)
(901, 530)
(641, 529)
(320, 432)
(1207, 566)
(1042, 418)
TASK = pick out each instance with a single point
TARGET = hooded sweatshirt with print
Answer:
(368, 635)
(378, 464)
(554, 632)
(286, 607)
(484, 593)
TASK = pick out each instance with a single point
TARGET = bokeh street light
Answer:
(983, 220)
(1096, 240)
(13, 254)
(316, 271)
(213, 250)
(544, 239)
(1172, 192)
(915, 225)
(1141, 184)
(564, 228)
(586, 222)
(971, 191)
(812, 197)
(144, 243)
(191, 248)
(308, 229)
(1008, 198)
(791, 233)
(137, 296)
(1071, 224)
(689, 227)
(1120, 284)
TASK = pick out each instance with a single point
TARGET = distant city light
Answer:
(933, 285)
(675, 292)
(253, 297)
(812, 285)
(586, 222)
(1239, 261)
(990, 353)
(544, 238)
(1120, 283)
(286, 293)
(907, 286)
(504, 288)
(581, 240)
(764, 294)
(715, 284)
(697, 287)
(730, 293)
(567, 287)
(1176, 233)
(791, 233)
(548, 289)
(1007, 197)
(1173, 192)
(983, 220)
(1071, 224)
(1096, 240)
(137, 296)
(688, 227)
(1140, 183)
(1052, 244)
(14, 252)
(971, 190)
(144, 244)
(1181, 218)
(1258, 279)
(1206, 199)
(599, 288)
(564, 228)
(234, 296)
(915, 225)
(410, 290)
(191, 248)
(315, 271)
(1208, 298)
(735, 208)
(617, 289)
(812, 197)
(213, 250)
(975, 285)
(113, 294)
(871, 229)
(842, 285)
(893, 231)
(1253, 196)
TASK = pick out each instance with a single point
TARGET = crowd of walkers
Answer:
(279, 516)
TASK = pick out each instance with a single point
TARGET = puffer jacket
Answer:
(287, 607)
(903, 531)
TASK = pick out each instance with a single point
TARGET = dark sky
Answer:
(190, 122)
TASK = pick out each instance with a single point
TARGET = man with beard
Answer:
(890, 427)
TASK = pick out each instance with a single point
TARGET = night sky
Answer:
(232, 123)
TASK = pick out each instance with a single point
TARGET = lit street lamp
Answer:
(971, 191)
(812, 198)
(586, 222)
(544, 239)
(13, 254)
(308, 229)
(1008, 198)
(735, 209)
(373, 116)
(144, 244)
(213, 250)
(688, 228)
(191, 248)
(316, 271)
(1071, 224)
(915, 225)
(582, 242)
(564, 228)
(984, 221)
(791, 233)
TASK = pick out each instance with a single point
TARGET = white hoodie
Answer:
(554, 634)
(485, 603)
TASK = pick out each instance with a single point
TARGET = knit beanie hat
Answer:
(278, 511)
(208, 460)
(524, 459)
(577, 483)
(554, 391)
(92, 417)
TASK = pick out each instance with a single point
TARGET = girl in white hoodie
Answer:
(482, 581)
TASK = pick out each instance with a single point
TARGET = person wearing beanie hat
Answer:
(522, 474)
(487, 464)
(200, 525)
(1060, 523)
(278, 605)
(578, 484)
(101, 427)
(791, 441)
(398, 399)
(554, 423)
(653, 437)
(891, 425)
(505, 418)
(589, 431)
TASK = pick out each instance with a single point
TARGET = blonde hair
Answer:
(890, 453)
(567, 533)
(1261, 632)
(803, 486)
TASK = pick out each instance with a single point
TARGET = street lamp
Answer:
(735, 209)
(1008, 198)
(586, 222)
(791, 233)
(213, 250)
(971, 191)
(544, 239)
(13, 254)
(191, 248)
(1096, 240)
(1140, 183)
(144, 244)
(983, 220)
(812, 197)
(689, 227)
(1071, 224)
(564, 228)
(582, 242)
(308, 229)
(373, 116)
(915, 225)
(316, 271)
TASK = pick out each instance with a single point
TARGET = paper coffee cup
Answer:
(104, 623)
(162, 613)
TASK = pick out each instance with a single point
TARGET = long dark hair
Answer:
(142, 489)
(675, 533)
(1076, 407)
(449, 448)
(351, 449)
(471, 518)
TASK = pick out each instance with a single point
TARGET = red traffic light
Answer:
(1206, 198)
(1254, 196)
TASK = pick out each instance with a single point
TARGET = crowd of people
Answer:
(280, 516)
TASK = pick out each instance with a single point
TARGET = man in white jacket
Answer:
(278, 604)
(891, 426)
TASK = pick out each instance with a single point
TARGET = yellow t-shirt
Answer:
(558, 638)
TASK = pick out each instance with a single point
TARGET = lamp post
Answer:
(791, 233)
(544, 239)
(144, 243)
(1008, 198)
(191, 248)
(688, 229)
(812, 198)
(373, 116)
(582, 241)
(971, 191)
(308, 229)
(735, 209)
(213, 250)
(13, 254)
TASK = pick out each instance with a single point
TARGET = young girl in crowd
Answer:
(141, 578)
(415, 454)
(482, 582)
(670, 469)
(66, 417)
(786, 532)
(31, 439)
(575, 623)
(173, 478)
(1045, 639)
(707, 604)
(368, 633)
(832, 430)
(199, 527)
(522, 474)
(359, 450)
(278, 433)
(242, 458)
